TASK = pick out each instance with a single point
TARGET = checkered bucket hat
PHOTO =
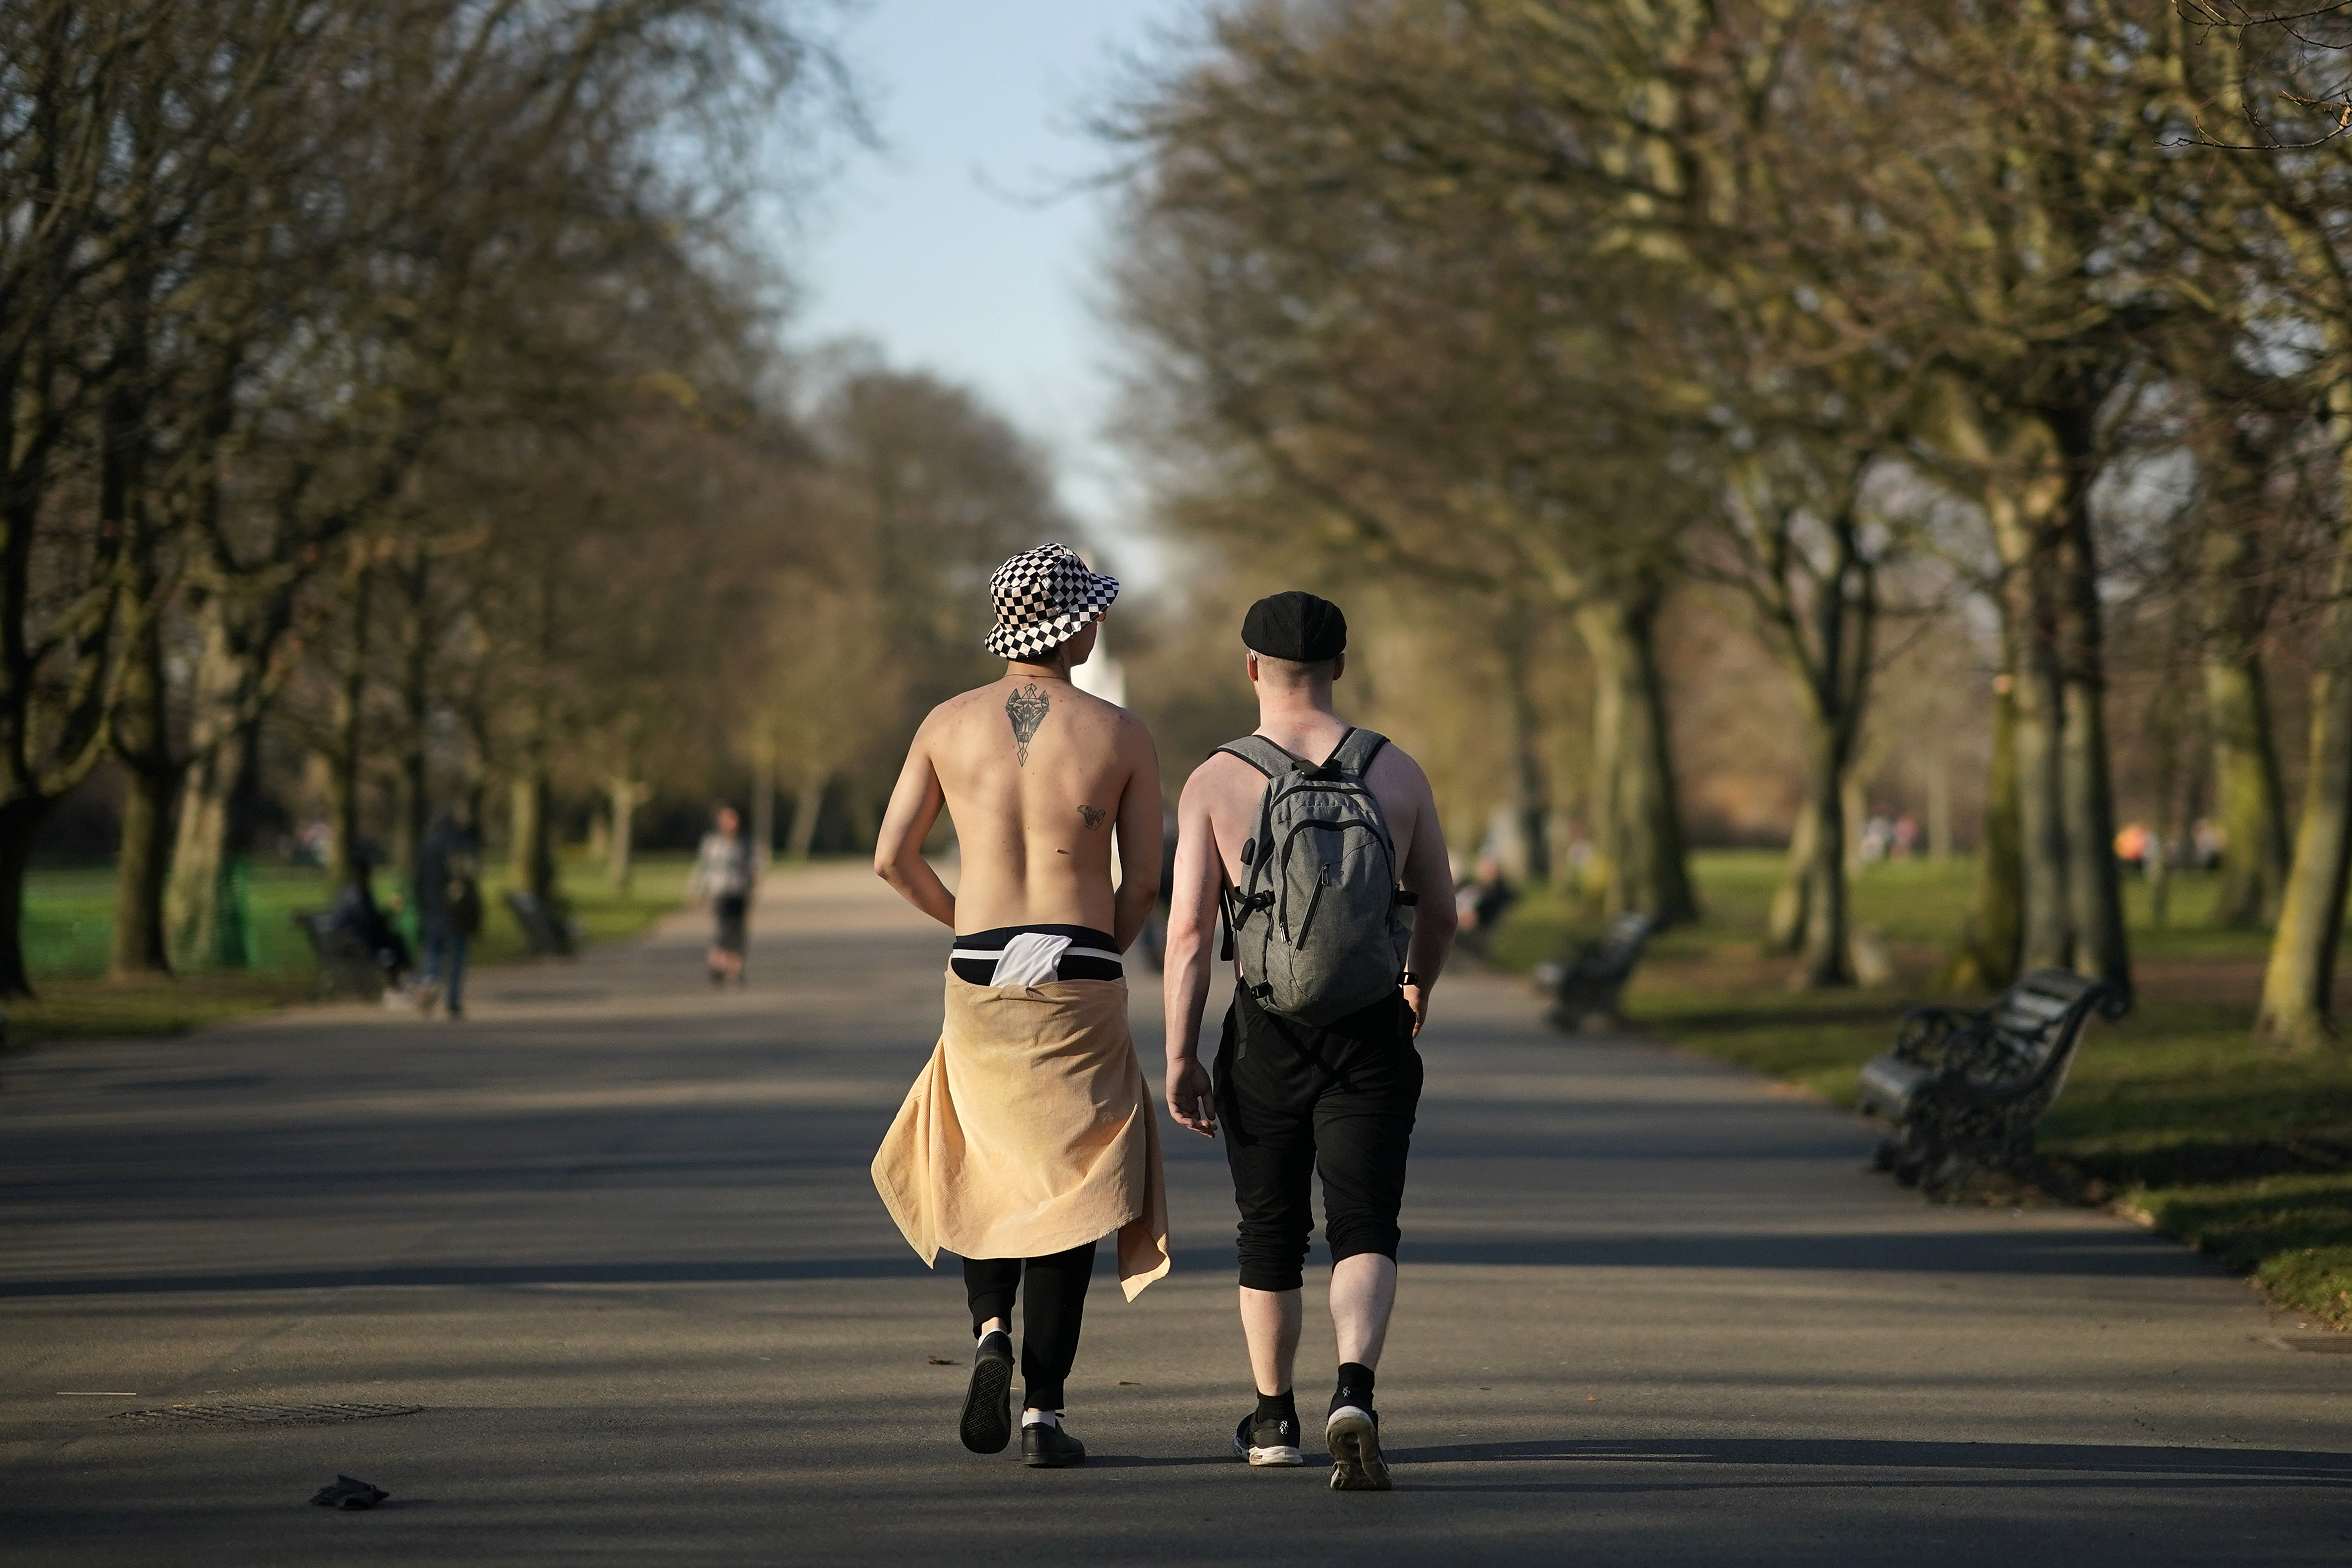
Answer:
(1045, 597)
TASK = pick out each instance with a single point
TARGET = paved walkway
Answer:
(615, 1236)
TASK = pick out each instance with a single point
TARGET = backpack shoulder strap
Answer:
(1260, 754)
(1356, 751)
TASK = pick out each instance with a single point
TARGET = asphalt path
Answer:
(611, 1245)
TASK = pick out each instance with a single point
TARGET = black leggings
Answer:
(1050, 1317)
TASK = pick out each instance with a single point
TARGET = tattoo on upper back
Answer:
(1027, 707)
(1093, 816)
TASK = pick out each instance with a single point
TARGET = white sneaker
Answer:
(1353, 1434)
(1267, 1442)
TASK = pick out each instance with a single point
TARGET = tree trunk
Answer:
(141, 739)
(763, 804)
(1824, 960)
(1994, 935)
(530, 852)
(141, 749)
(624, 794)
(20, 828)
(2101, 946)
(216, 816)
(1940, 807)
(138, 946)
(1784, 927)
(2248, 792)
(344, 762)
(1637, 822)
(1531, 794)
(2046, 936)
(805, 806)
(2299, 981)
(416, 714)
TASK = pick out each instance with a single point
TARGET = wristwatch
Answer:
(1408, 978)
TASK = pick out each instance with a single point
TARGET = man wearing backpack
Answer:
(1318, 845)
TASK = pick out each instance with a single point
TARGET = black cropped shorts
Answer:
(1299, 1100)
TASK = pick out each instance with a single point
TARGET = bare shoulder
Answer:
(1396, 775)
(1135, 739)
(1221, 772)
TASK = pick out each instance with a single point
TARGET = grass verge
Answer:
(2174, 1114)
(68, 922)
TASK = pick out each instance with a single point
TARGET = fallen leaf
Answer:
(941, 1361)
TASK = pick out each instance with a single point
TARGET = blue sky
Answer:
(962, 248)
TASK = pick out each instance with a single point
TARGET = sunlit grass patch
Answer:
(68, 922)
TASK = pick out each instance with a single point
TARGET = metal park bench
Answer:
(1585, 986)
(347, 966)
(1964, 1088)
(544, 926)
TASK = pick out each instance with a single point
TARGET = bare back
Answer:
(1036, 774)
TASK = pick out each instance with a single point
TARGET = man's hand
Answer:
(1192, 1099)
(1417, 998)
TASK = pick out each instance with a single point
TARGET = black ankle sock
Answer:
(1283, 1406)
(1355, 1385)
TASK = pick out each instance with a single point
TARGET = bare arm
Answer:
(1140, 826)
(915, 805)
(1192, 929)
(1428, 874)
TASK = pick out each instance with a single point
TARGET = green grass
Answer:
(2174, 1113)
(68, 921)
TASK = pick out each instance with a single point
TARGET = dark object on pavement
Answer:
(1964, 1088)
(1585, 985)
(350, 1494)
(348, 966)
(543, 925)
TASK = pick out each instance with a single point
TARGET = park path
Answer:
(615, 1236)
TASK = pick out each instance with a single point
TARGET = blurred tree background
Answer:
(1771, 421)
(397, 416)
(1850, 430)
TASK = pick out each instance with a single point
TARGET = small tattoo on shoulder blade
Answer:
(1093, 816)
(1027, 707)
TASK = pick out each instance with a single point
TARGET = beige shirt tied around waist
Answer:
(1030, 1131)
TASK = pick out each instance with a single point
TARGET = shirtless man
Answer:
(1035, 1067)
(1295, 1099)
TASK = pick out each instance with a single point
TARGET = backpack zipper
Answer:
(1380, 837)
(1322, 880)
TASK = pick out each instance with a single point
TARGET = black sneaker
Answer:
(1046, 1446)
(1272, 1442)
(988, 1404)
(1353, 1434)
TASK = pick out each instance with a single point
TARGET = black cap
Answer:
(1296, 625)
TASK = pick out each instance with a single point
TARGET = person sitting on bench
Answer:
(355, 911)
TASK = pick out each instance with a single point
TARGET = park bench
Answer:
(347, 966)
(1585, 983)
(1964, 1087)
(544, 927)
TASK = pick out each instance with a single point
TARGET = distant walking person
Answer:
(1032, 1133)
(449, 909)
(725, 874)
(1313, 839)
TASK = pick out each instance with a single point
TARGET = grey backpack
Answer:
(1320, 928)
